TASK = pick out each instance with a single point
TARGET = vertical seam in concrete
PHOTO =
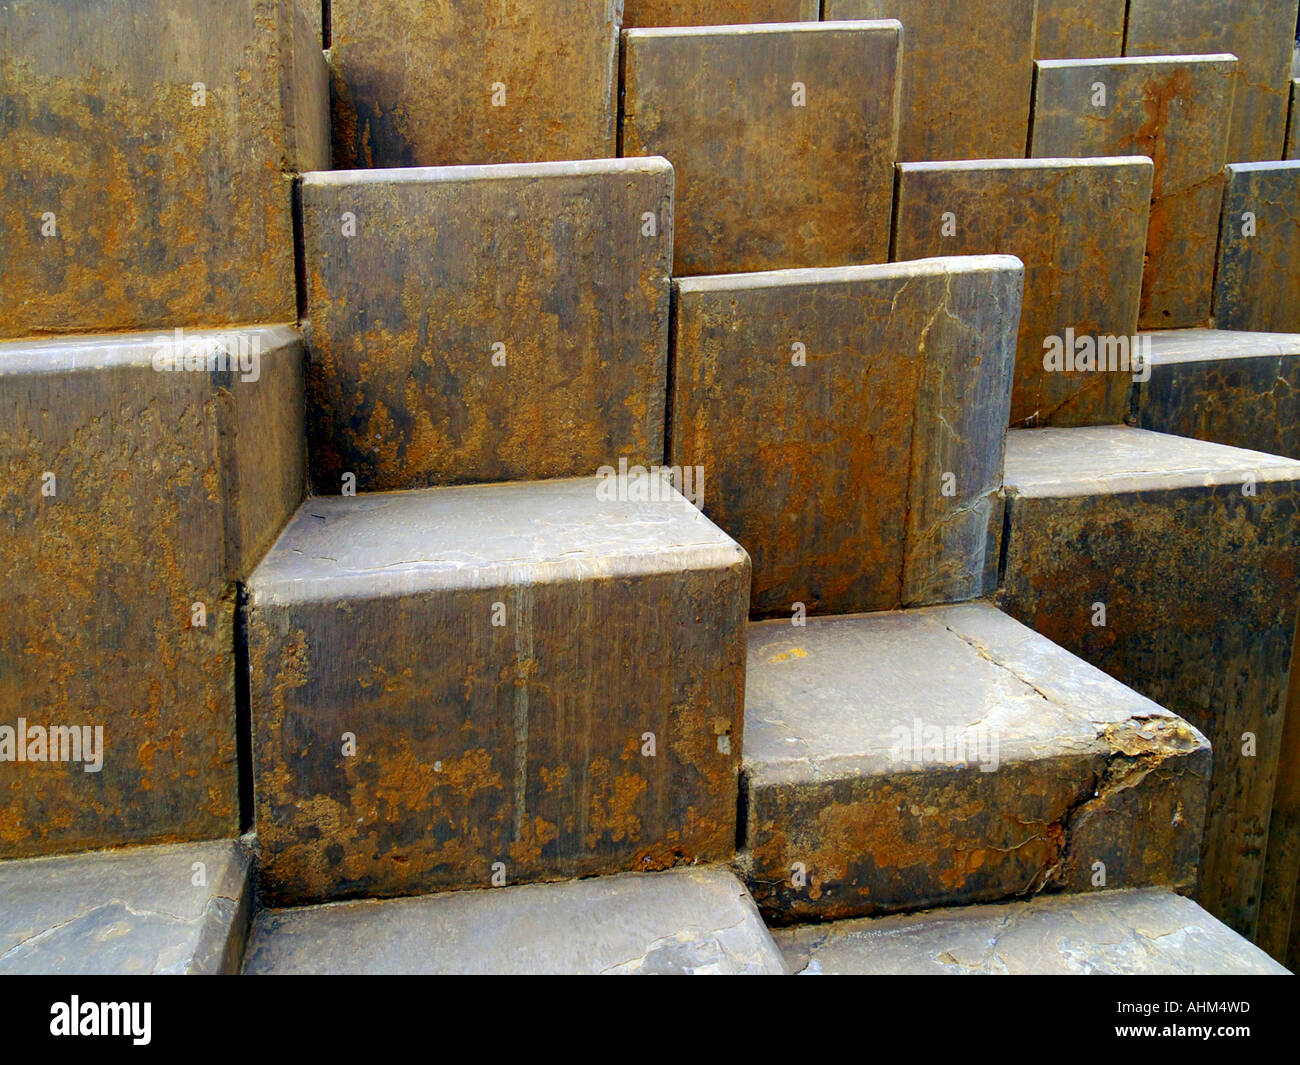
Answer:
(326, 29)
(523, 659)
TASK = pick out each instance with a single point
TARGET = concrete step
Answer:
(144, 475)
(638, 13)
(695, 920)
(460, 686)
(1172, 565)
(145, 152)
(1115, 933)
(910, 759)
(1080, 228)
(783, 138)
(1257, 276)
(1080, 29)
(137, 911)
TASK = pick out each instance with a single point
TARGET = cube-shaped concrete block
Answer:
(486, 323)
(957, 101)
(1080, 29)
(848, 425)
(1257, 280)
(1080, 228)
(145, 159)
(463, 82)
(783, 138)
(637, 13)
(1175, 110)
(468, 686)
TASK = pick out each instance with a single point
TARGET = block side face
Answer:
(1293, 125)
(1080, 29)
(639, 13)
(1257, 280)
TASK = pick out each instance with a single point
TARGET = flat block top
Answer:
(890, 25)
(1275, 167)
(980, 165)
(99, 351)
(1121, 63)
(650, 164)
(401, 543)
(935, 267)
(1108, 459)
(1172, 346)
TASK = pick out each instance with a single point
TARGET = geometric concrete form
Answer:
(1080, 227)
(1240, 389)
(1293, 126)
(460, 82)
(1175, 110)
(1080, 29)
(1112, 933)
(956, 103)
(461, 686)
(486, 323)
(651, 13)
(145, 159)
(783, 139)
(141, 479)
(1171, 564)
(850, 423)
(948, 755)
(137, 911)
(1258, 32)
(1279, 934)
(685, 921)
(1257, 282)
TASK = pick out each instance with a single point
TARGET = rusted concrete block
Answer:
(1080, 29)
(145, 158)
(487, 323)
(1080, 228)
(1175, 110)
(685, 921)
(639, 13)
(1293, 127)
(181, 909)
(783, 139)
(1241, 389)
(1278, 932)
(1257, 282)
(462, 82)
(849, 423)
(1171, 564)
(956, 103)
(949, 755)
(495, 683)
(1258, 32)
(131, 500)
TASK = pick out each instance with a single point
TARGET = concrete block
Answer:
(1257, 280)
(1293, 126)
(1080, 29)
(638, 13)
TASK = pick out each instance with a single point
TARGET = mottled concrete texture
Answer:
(850, 423)
(487, 323)
(535, 675)
(783, 139)
(687, 921)
(1241, 389)
(1080, 228)
(1176, 111)
(1279, 933)
(948, 756)
(956, 103)
(1257, 282)
(461, 82)
(1115, 933)
(1258, 32)
(152, 140)
(1293, 127)
(1080, 29)
(129, 496)
(143, 910)
(638, 13)
(1191, 549)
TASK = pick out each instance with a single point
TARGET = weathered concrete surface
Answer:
(956, 103)
(1278, 931)
(503, 655)
(783, 139)
(1116, 933)
(158, 134)
(463, 82)
(129, 495)
(949, 755)
(1257, 280)
(1293, 126)
(686, 921)
(1080, 228)
(1240, 389)
(1193, 550)
(639, 13)
(1175, 110)
(487, 323)
(142, 910)
(1080, 29)
(1258, 32)
(827, 408)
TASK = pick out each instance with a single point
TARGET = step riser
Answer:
(1080, 29)
(1257, 280)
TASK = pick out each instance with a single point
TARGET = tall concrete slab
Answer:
(1080, 29)
(1080, 228)
(486, 323)
(956, 103)
(783, 138)
(1257, 277)
(651, 13)
(1293, 126)
(849, 424)
(462, 82)
(1175, 110)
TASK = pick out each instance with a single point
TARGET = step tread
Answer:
(1174, 346)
